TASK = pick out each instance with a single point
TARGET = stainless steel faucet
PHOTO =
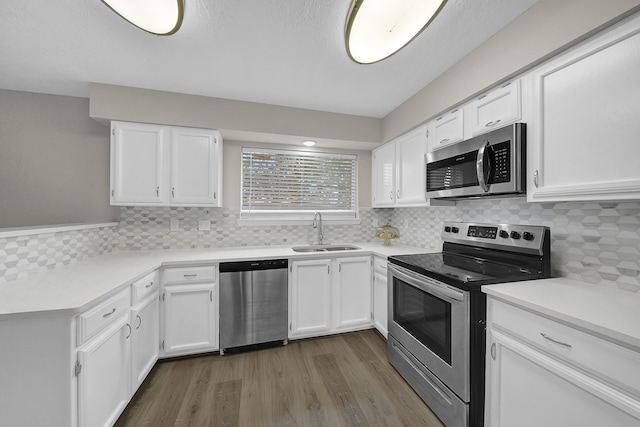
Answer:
(317, 223)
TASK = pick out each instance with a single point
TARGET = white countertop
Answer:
(76, 286)
(611, 313)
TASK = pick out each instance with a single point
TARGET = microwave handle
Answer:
(482, 152)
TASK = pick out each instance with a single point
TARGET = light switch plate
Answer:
(375, 222)
(174, 225)
(204, 225)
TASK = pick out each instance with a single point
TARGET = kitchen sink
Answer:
(324, 248)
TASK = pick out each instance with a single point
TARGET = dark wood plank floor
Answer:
(342, 380)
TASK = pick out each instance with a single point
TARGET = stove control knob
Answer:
(527, 236)
(515, 235)
(504, 234)
(455, 229)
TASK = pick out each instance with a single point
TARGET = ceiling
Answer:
(281, 52)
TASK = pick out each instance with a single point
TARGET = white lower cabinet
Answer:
(145, 343)
(380, 295)
(103, 375)
(329, 295)
(189, 310)
(543, 373)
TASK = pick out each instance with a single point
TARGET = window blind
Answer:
(277, 182)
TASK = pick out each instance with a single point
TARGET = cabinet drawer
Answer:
(380, 265)
(143, 287)
(190, 275)
(593, 354)
(96, 318)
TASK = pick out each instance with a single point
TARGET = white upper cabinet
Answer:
(446, 129)
(137, 164)
(583, 139)
(384, 175)
(194, 171)
(165, 165)
(399, 172)
(494, 109)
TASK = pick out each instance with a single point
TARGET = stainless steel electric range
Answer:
(437, 313)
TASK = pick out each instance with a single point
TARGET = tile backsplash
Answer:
(594, 242)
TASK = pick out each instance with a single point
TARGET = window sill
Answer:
(248, 222)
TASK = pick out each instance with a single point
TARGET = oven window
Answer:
(426, 317)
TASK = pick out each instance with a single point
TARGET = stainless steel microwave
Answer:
(490, 164)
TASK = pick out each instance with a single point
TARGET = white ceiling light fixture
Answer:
(376, 29)
(309, 143)
(161, 17)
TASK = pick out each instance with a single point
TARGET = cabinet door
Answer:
(583, 143)
(137, 162)
(190, 318)
(310, 298)
(411, 149)
(528, 388)
(194, 172)
(494, 109)
(446, 129)
(352, 293)
(380, 303)
(384, 175)
(145, 343)
(103, 380)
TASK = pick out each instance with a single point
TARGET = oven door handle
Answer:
(426, 284)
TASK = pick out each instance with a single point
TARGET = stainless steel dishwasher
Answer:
(253, 304)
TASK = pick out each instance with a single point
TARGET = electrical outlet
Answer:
(204, 225)
(174, 225)
(406, 224)
(375, 222)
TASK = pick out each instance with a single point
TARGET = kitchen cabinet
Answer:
(329, 296)
(352, 296)
(165, 165)
(494, 109)
(586, 120)
(189, 311)
(103, 375)
(380, 295)
(542, 372)
(446, 129)
(399, 172)
(309, 298)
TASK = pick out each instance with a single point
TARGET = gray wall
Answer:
(54, 161)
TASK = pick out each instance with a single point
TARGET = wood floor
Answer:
(342, 380)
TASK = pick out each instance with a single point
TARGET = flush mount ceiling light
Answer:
(376, 29)
(161, 17)
(309, 143)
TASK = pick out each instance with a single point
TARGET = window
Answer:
(296, 184)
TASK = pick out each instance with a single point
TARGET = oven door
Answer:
(432, 321)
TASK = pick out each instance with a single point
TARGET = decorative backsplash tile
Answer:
(23, 256)
(594, 242)
(148, 228)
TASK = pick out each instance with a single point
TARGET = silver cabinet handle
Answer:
(535, 178)
(391, 195)
(109, 314)
(190, 276)
(493, 351)
(493, 123)
(398, 194)
(139, 321)
(149, 285)
(173, 191)
(128, 326)
(211, 296)
(439, 118)
(547, 337)
(444, 141)
(157, 191)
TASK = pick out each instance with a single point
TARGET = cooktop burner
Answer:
(479, 254)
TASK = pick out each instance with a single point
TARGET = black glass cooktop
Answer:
(467, 272)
